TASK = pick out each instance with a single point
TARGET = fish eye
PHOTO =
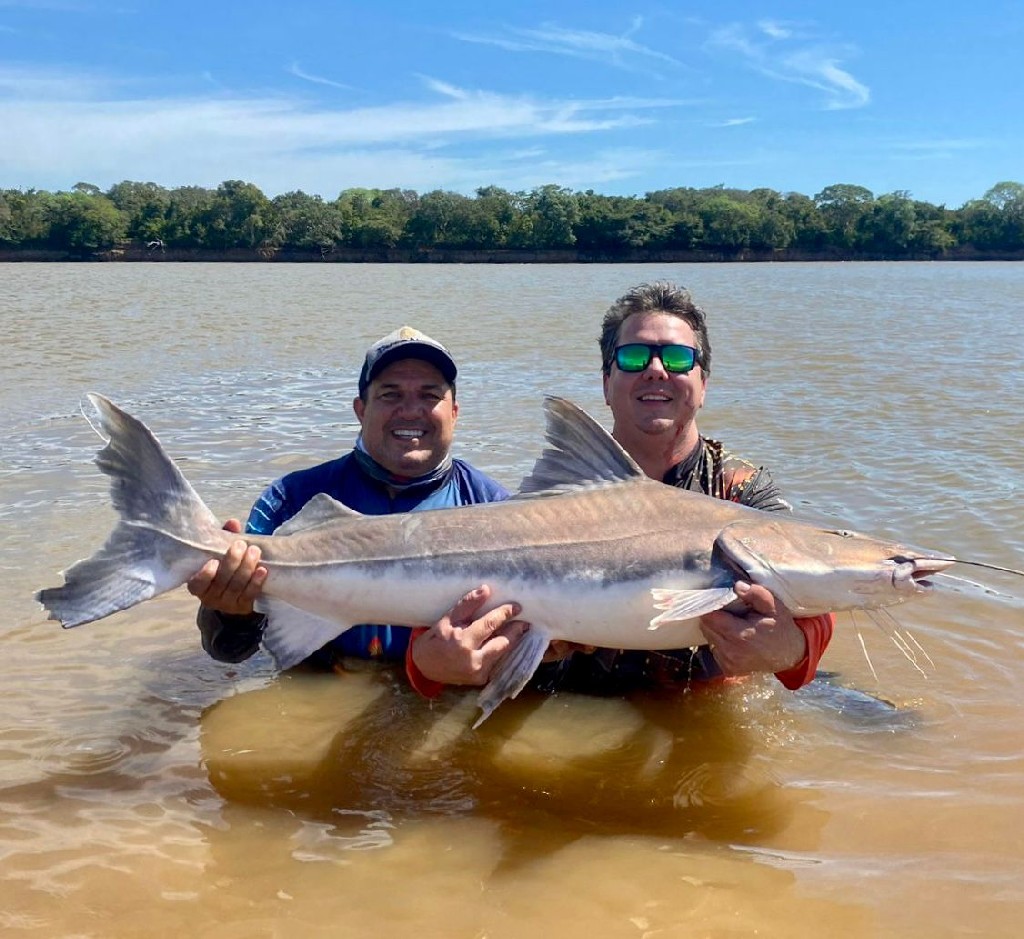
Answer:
(844, 533)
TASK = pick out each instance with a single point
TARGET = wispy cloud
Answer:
(735, 122)
(298, 72)
(283, 141)
(31, 84)
(780, 52)
(618, 51)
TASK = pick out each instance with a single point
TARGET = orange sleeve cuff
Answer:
(427, 687)
(817, 631)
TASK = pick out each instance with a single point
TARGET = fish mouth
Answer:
(914, 572)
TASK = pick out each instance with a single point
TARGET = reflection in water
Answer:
(359, 751)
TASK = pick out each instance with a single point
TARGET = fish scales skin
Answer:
(513, 538)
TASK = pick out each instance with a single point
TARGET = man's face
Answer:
(654, 401)
(408, 417)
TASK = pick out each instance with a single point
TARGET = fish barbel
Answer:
(593, 550)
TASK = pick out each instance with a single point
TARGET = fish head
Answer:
(817, 570)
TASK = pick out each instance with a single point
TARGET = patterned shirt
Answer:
(714, 471)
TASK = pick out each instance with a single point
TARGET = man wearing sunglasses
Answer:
(656, 359)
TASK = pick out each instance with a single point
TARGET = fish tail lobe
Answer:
(164, 535)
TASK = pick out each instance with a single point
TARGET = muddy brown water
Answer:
(145, 789)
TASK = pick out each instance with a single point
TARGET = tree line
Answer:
(842, 220)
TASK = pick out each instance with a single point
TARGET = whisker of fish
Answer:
(896, 634)
(985, 588)
(863, 645)
(902, 638)
(991, 567)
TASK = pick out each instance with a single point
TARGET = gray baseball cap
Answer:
(405, 343)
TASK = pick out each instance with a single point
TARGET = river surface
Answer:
(148, 790)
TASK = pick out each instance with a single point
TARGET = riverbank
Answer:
(399, 255)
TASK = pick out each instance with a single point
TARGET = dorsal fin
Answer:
(320, 510)
(581, 454)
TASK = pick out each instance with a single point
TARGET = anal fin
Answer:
(514, 671)
(291, 634)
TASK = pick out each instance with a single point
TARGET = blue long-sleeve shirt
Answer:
(230, 638)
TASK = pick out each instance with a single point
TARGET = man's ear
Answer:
(359, 406)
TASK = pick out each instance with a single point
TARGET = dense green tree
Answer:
(841, 207)
(611, 223)
(774, 228)
(30, 215)
(145, 206)
(6, 221)
(683, 206)
(1007, 198)
(842, 219)
(504, 209)
(728, 224)
(241, 216)
(187, 217)
(308, 222)
(446, 220)
(887, 225)
(809, 230)
(375, 218)
(83, 221)
(553, 212)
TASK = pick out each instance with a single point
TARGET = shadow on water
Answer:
(850, 709)
(361, 752)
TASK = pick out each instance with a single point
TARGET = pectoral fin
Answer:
(513, 671)
(291, 634)
(688, 604)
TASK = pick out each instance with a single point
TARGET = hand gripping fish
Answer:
(594, 551)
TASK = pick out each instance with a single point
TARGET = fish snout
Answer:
(910, 575)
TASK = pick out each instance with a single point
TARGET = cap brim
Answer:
(416, 350)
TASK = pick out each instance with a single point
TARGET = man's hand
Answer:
(460, 649)
(231, 584)
(763, 640)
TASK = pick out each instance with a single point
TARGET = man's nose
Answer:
(409, 406)
(655, 368)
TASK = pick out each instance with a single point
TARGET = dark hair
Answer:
(660, 297)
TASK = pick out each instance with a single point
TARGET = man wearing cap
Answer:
(401, 463)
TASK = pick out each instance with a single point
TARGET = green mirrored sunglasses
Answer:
(677, 359)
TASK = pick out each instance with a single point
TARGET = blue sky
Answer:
(622, 99)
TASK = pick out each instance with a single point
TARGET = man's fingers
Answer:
(483, 628)
(233, 525)
(499, 644)
(468, 606)
(757, 598)
(200, 581)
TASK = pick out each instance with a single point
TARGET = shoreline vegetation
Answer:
(236, 222)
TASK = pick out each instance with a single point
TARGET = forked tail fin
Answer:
(164, 535)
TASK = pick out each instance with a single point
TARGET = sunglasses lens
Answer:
(634, 357)
(678, 359)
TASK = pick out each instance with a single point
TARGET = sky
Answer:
(923, 97)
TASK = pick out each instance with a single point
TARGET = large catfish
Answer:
(594, 551)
